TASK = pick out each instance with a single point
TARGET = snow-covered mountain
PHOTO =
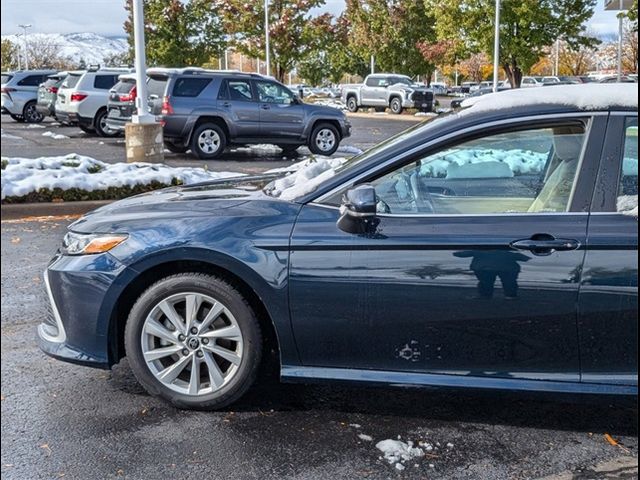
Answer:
(88, 46)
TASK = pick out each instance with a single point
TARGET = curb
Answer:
(14, 211)
(386, 116)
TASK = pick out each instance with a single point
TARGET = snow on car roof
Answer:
(584, 97)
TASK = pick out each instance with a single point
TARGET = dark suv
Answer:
(207, 110)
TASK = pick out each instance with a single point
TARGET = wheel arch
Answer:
(217, 120)
(313, 124)
(150, 274)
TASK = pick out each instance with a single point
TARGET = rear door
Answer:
(280, 115)
(237, 100)
(608, 305)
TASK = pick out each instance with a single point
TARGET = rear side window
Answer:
(189, 87)
(156, 86)
(628, 187)
(52, 82)
(104, 82)
(31, 81)
(6, 78)
(124, 86)
(71, 81)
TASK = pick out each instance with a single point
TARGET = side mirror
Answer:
(358, 210)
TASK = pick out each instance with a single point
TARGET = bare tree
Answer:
(575, 61)
(45, 53)
(630, 47)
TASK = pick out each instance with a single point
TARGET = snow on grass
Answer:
(55, 136)
(305, 176)
(8, 136)
(594, 96)
(22, 176)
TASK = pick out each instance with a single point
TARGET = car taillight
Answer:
(167, 109)
(52, 89)
(78, 97)
(129, 97)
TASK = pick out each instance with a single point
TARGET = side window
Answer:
(372, 81)
(223, 93)
(523, 171)
(628, 187)
(269, 92)
(104, 82)
(239, 90)
(189, 86)
(31, 81)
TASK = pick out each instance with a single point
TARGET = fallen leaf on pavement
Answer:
(46, 448)
(15, 240)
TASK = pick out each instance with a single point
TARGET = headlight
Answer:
(83, 244)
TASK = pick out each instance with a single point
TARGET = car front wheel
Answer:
(396, 105)
(193, 340)
(208, 141)
(30, 114)
(101, 126)
(324, 140)
(352, 104)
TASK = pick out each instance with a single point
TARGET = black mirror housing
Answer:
(358, 209)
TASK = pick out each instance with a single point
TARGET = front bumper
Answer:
(82, 292)
(345, 127)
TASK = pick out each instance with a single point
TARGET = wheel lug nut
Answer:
(205, 341)
(200, 354)
(194, 330)
(185, 352)
(181, 337)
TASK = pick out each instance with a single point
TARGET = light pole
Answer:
(266, 35)
(620, 40)
(557, 58)
(24, 27)
(373, 64)
(142, 107)
(20, 49)
(496, 47)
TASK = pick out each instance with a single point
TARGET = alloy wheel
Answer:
(192, 343)
(209, 141)
(325, 140)
(31, 115)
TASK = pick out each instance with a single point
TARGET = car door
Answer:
(280, 114)
(374, 91)
(608, 304)
(474, 266)
(236, 100)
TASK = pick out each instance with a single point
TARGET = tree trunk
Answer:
(514, 74)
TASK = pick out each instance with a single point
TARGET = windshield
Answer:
(306, 176)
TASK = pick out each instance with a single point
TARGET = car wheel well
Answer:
(335, 123)
(125, 302)
(391, 97)
(217, 120)
(98, 112)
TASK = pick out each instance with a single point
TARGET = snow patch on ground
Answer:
(595, 96)
(425, 114)
(55, 136)
(8, 136)
(25, 175)
(365, 438)
(35, 125)
(331, 103)
(397, 451)
(349, 149)
(628, 205)
(305, 177)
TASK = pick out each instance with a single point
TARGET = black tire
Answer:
(380, 109)
(208, 151)
(30, 114)
(17, 118)
(247, 322)
(86, 129)
(315, 145)
(175, 148)
(289, 149)
(352, 104)
(395, 105)
(99, 123)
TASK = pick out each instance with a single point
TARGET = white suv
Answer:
(20, 93)
(83, 97)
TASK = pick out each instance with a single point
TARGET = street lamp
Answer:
(266, 35)
(24, 27)
(18, 35)
(496, 47)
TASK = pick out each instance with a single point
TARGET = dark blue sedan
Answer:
(495, 247)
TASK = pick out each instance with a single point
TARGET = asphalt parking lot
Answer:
(65, 421)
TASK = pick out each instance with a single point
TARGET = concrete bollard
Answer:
(144, 142)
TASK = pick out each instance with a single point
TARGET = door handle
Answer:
(264, 106)
(545, 244)
(226, 104)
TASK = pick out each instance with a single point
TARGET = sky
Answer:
(106, 17)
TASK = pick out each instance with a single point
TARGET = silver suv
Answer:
(20, 94)
(83, 97)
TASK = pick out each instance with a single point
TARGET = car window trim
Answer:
(443, 140)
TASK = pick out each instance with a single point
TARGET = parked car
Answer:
(122, 102)
(531, 82)
(457, 102)
(207, 110)
(465, 87)
(481, 85)
(19, 93)
(495, 248)
(83, 96)
(614, 79)
(439, 88)
(382, 90)
(48, 93)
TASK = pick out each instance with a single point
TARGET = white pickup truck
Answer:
(382, 90)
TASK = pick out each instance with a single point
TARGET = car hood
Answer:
(323, 110)
(203, 199)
